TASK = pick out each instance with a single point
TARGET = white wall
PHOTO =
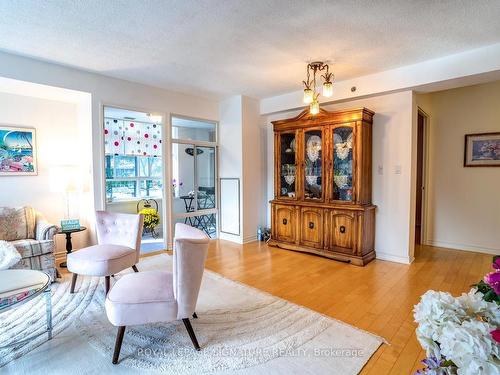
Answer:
(463, 206)
(57, 143)
(109, 91)
(253, 167)
(106, 90)
(231, 154)
(393, 128)
(242, 150)
(465, 68)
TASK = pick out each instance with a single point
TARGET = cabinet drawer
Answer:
(284, 223)
(311, 227)
(342, 231)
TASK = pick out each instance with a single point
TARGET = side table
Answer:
(69, 245)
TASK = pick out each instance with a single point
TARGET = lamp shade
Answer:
(65, 179)
(327, 89)
(308, 96)
(314, 108)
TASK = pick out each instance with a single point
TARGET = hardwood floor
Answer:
(378, 297)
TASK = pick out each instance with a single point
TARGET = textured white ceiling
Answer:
(252, 47)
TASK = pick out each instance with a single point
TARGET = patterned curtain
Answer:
(132, 138)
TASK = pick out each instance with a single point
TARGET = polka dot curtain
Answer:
(132, 138)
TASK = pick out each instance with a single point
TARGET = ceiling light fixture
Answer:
(310, 94)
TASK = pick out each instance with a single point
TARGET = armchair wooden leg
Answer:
(195, 316)
(107, 282)
(134, 267)
(189, 328)
(73, 283)
(118, 343)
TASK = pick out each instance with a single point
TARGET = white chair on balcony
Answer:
(161, 296)
(118, 248)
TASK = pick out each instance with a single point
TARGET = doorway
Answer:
(134, 170)
(422, 120)
(194, 173)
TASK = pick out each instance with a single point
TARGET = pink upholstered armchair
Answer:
(119, 244)
(161, 296)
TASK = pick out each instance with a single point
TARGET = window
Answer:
(193, 130)
(133, 159)
(131, 177)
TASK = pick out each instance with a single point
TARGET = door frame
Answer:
(165, 126)
(425, 177)
(215, 145)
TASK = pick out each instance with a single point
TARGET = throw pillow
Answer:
(9, 256)
(17, 223)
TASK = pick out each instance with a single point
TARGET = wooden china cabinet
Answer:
(323, 185)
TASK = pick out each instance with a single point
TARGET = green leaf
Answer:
(490, 296)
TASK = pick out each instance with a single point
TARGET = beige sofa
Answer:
(32, 236)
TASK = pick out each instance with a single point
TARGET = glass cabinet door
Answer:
(288, 173)
(343, 139)
(313, 164)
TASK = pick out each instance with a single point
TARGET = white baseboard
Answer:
(250, 239)
(394, 258)
(230, 237)
(464, 247)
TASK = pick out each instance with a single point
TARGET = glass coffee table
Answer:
(20, 286)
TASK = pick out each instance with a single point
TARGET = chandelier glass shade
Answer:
(314, 107)
(310, 94)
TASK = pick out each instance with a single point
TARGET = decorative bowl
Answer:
(311, 180)
(342, 150)
(290, 178)
(341, 181)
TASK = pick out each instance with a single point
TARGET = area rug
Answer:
(241, 330)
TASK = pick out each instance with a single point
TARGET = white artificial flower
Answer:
(474, 367)
(470, 346)
(433, 311)
(438, 307)
(458, 329)
(474, 304)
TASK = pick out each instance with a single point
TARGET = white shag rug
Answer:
(241, 331)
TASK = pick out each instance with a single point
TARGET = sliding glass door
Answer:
(194, 174)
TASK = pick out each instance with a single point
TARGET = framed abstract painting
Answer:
(482, 150)
(17, 151)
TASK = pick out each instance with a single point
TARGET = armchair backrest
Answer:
(190, 252)
(120, 229)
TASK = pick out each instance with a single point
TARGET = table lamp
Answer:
(66, 179)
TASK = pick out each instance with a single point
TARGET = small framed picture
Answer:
(482, 150)
(17, 151)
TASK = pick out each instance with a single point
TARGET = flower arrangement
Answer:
(151, 217)
(176, 184)
(461, 334)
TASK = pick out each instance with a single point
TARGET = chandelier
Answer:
(310, 94)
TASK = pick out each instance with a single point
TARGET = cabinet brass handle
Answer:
(285, 221)
(342, 229)
(311, 225)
